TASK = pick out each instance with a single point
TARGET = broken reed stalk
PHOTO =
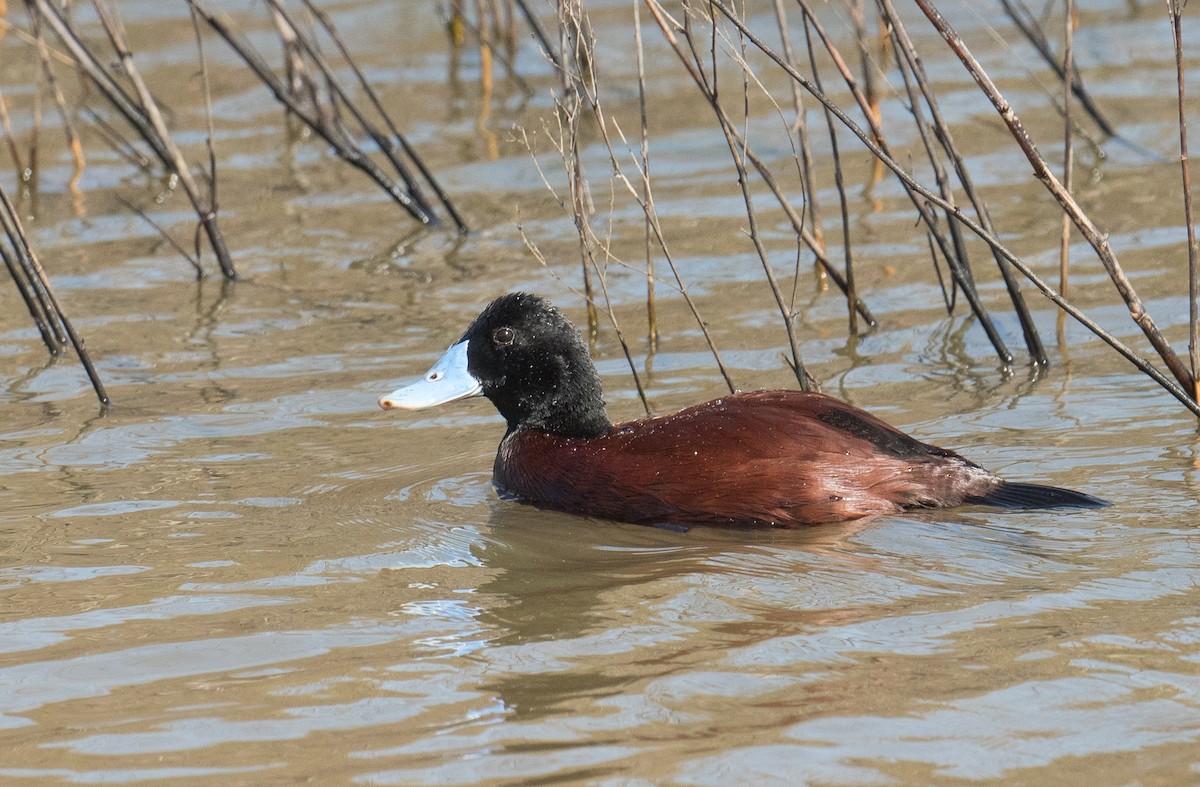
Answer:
(141, 113)
(1042, 172)
(30, 278)
(1175, 11)
(1182, 394)
(386, 142)
(324, 126)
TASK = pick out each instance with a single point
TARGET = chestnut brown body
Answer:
(781, 458)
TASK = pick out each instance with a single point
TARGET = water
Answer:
(247, 572)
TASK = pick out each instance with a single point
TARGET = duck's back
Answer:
(781, 458)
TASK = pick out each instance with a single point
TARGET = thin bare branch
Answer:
(1146, 367)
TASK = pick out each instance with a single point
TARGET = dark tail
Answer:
(1017, 495)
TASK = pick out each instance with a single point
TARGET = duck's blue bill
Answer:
(447, 381)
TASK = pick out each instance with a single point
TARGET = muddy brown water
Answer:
(247, 572)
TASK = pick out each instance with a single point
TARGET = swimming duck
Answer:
(758, 458)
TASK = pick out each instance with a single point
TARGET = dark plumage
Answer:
(779, 458)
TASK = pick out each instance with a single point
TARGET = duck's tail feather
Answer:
(1011, 494)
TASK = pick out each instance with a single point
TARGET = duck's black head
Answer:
(529, 360)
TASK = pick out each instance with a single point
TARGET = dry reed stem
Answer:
(644, 152)
(205, 209)
(858, 17)
(839, 184)
(738, 146)
(573, 40)
(116, 141)
(210, 132)
(568, 135)
(540, 33)
(10, 139)
(807, 178)
(487, 53)
(1175, 11)
(35, 289)
(1043, 173)
(72, 137)
(174, 244)
(141, 113)
(815, 244)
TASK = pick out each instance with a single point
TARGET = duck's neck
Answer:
(571, 406)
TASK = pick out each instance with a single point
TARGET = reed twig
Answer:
(959, 267)
(1068, 72)
(644, 153)
(1027, 23)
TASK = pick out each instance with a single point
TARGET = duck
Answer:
(769, 458)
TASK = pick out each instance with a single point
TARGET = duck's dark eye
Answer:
(503, 337)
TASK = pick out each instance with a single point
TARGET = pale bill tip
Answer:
(446, 381)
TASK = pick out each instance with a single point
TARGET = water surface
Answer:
(245, 571)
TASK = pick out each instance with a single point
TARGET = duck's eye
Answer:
(503, 337)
